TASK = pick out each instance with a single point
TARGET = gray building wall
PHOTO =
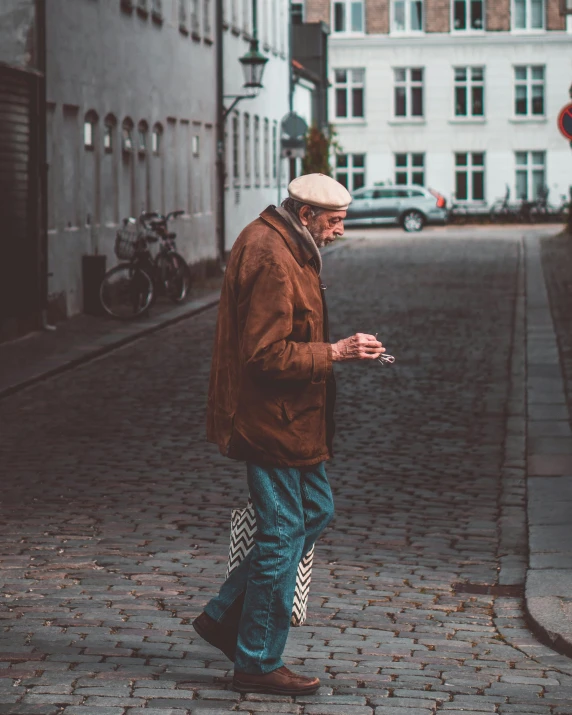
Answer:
(116, 69)
(17, 33)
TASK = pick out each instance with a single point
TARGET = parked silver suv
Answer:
(409, 206)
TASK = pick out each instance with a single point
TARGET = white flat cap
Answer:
(320, 190)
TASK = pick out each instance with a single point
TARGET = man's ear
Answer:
(304, 215)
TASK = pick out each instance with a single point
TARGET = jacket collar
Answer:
(301, 253)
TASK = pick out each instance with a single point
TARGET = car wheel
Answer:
(412, 221)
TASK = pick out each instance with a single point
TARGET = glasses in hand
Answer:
(385, 359)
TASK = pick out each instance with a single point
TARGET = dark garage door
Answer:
(20, 282)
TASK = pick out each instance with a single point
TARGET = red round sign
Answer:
(565, 121)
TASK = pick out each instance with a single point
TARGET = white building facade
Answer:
(460, 96)
(255, 173)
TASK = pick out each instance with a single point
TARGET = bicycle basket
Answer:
(126, 240)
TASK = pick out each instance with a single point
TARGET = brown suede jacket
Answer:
(272, 390)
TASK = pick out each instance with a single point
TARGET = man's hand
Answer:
(359, 347)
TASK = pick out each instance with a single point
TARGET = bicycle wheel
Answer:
(175, 275)
(126, 291)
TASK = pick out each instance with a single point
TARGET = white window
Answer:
(410, 169)
(274, 150)
(530, 174)
(468, 15)
(470, 176)
(195, 21)
(207, 18)
(127, 135)
(142, 129)
(408, 91)
(528, 15)
(407, 16)
(195, 145)
(350, 170)
(349, 93)
(529, 91)
(469, 91)
(183, 19)
(257, 151)
(89, 128)
(247, 149)
(266, 152)
(157, 9)
(108, 133)
(156, 139)
(235, 148)
(347, 15)
(246, 15)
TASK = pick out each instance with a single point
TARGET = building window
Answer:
(142, 8)
(142, 130)
(407, 16)
(350, 170)
(266, 152)
(156, 139)
(183, 19)
(468, 15)
(470, 176)
(108, 133)
(347, 16)
(469, 91)
(127, 135)
(530, 174)
(410, 169)
(246, 15)
(349, 89)
(195, 145)
(408, 91)
(297, 13)
(529, 91)
(195, 22)
(257, 151)
(157, 10)
(235, 148)
(89, 130)
(274, 151)
(247, 148)
(207, 17)
(528, 15)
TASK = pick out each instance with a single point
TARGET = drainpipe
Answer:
(220, 148)
(42, 202)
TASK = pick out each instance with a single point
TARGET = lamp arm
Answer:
(235, 100)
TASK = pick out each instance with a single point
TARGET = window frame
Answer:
(529, 83)
(469, 83)
(407, 30)
(90, 120)
(471, 169)
(157, 139)
(409, 168)
(409, 84)
(351, 170)
(347, 4)
(349, 86)
(528, 15)
(235, 133)
(531, 167)
(247, 149)
(469, 29)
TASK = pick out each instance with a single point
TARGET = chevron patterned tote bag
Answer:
(242, 531)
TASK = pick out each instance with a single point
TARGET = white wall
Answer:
(244, 199)
(440, 134)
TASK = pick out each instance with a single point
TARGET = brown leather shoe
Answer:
(278, 682)
(220, 636)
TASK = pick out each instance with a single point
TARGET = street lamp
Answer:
(253, 64)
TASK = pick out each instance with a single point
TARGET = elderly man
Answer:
(271, 399)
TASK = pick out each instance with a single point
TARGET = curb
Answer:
(194, 308)
(191, 309)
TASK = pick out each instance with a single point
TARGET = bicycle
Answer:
(129, 289)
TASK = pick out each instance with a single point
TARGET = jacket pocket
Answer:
(290, 413)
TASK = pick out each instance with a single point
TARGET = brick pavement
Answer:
(114, 523)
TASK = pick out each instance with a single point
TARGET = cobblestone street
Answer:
(115, 512)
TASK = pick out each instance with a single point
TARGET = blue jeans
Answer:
(292, 506)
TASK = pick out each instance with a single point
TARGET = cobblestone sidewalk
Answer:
(115, 514)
